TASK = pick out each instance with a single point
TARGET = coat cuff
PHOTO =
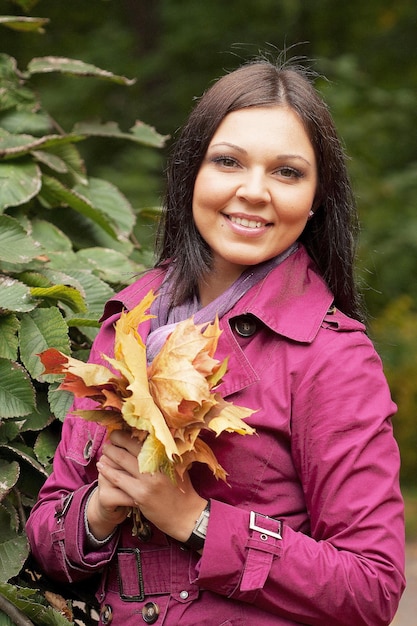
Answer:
(78, 550)
(249, 541)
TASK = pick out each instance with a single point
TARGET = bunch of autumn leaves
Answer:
(165, 404)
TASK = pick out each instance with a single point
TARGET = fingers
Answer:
(123, 457)
(124, 439)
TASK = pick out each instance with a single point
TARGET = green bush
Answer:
(67, 242)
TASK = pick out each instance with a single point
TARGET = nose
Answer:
(254, 188)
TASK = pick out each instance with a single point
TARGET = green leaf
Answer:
(110, 265)
(15, 296)
(84, 322)
(19, 183)
(34, 279)
(148, 135)
(59, 262)
(9, 474)
(45, 447)
(56, 276)
(17, 396)
(140, 133)
(50, 160)
(26, 24)
(12, 93)
(17, 450)
(69, 154)
(26, 121)
(111, 202)
(13, 146)
(60, 401)
(10, 429)
(40, 418)
(32, 604)
(8, 503)
(74, 67)
(50, 237)
(61, 293)
(97, 292)
(9, 325)
(42, 329)
(56, 194)
(14, 548)
(8, 67)
(16, 246)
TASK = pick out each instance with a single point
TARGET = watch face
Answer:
(201, 528)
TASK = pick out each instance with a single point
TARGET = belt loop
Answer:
(132, 577)
(264, 545)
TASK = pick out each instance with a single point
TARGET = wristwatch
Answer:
(196, 540)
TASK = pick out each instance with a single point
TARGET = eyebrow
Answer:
(243, 151)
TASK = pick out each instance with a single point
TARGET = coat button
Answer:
(245, 326)
(87, 450)
(106, 614)
(150, 612)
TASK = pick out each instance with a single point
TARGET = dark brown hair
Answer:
(329, 237)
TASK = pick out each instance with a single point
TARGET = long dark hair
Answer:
(329, 237)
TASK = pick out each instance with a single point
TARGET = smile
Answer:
(241, 221)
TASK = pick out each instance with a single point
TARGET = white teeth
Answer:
(242, 221)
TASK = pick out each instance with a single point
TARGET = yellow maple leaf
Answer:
(226, 416)
(130, 320)
(174, 376)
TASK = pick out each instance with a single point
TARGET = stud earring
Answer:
(310, 214)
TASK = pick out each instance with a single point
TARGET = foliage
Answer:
(65, 245)
(396, 337)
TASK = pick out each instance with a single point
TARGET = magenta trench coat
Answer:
(309, 529)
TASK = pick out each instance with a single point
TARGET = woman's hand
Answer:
(108, 506)
(174, 509)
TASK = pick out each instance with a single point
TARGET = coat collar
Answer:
(292, 300)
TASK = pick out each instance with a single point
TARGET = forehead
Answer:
(267, 126)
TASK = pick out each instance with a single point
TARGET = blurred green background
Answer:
(175, 48)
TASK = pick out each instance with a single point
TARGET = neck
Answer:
(214, 284)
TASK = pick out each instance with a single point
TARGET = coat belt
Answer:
(135, 573)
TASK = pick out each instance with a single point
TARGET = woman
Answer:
(258, 227)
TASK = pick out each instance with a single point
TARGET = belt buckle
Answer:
(265, 531)
(139, 597)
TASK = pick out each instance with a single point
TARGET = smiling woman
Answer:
(257, 237)
(254, 191)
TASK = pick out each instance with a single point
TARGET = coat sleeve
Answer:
(56, 527)
(349, 568)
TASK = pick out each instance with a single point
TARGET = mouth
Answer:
(247, 223)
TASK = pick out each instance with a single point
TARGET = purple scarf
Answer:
(168, 316)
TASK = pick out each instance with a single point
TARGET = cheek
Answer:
(208, 194)
(296, 207)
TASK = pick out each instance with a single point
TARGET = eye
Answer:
(225, 161)
(289, 172)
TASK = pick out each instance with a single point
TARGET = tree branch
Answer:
(18, 618)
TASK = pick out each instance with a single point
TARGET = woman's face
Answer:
(255, 187)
